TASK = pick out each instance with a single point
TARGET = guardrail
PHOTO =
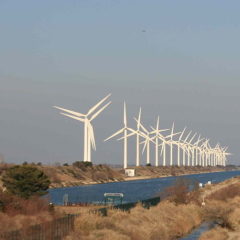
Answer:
(61, 227)
(128, 206)
(53, 230)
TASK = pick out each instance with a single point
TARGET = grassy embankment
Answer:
(172, 218)
(223, 207)
(72, 175)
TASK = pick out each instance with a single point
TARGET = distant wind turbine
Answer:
(123, 130)
(89, 139)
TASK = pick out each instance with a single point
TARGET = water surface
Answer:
(132, 190)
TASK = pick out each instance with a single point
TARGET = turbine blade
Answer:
(172, 128)
(115, 134)
(182, 134)
(91, 135)
(187, 136)
(99, 111)
(141, 126)
(98, 104)
(129, 135)
(162, 148)
(192, 138)
(139, 115)
(144, 147)
(76, 118)
(157, 126)
(124, 114)
(163, 130)
(70, 111)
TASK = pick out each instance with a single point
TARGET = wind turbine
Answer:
(89, 139)
(178, 144)
(189, 148)
(194, 147)
(138, 134)
(171, 144)
(158, 136)
(146, 142)
(195, 154)
(123, 130)
(203, 155)
(184, 147)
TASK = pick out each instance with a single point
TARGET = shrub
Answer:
(183, 191)
(215, 234)
(82, 165)
(25, 181)
(226, 193)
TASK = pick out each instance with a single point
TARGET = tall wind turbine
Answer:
(138, 134)
(195, 153)
(171, 144)
(189, 147)
(146, 143)
(184, 147)
(123, 130)
(157, 136)
(89, 139)
(179, 144)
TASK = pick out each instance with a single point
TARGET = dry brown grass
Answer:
(225, 193)
(18, 213)
(223, 206)
(165, 221)
(215, 234)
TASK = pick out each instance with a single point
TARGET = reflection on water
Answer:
(195, 234)
(133, 190)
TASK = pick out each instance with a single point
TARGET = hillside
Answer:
(81, 174)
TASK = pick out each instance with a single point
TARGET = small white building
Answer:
(130, 172)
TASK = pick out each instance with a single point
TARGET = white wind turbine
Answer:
(195, 148)
(89, 140)
(189, 148)
(171, 144)
(146, 143)
(184, 147)
(163, 144)
(194, 154)
(158, 136)
(203, 153)
(138, 134)
(123, 130)
(179, 144)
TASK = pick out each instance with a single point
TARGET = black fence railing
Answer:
(54, 230)
(127, 206)
(61, 227)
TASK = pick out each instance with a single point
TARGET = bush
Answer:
(82, 165)
(148, 165)
(25, 181)
(226, 193)
(183, 191)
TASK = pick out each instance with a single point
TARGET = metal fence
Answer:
(127, 206)
(61, 227)
(54, 230)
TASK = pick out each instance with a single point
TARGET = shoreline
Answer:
(137, 178)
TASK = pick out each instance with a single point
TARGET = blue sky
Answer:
(178, 59)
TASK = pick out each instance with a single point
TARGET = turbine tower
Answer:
(138, 134)
(157, 136)
(89, 139)
(171, 144)
(125, 136)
